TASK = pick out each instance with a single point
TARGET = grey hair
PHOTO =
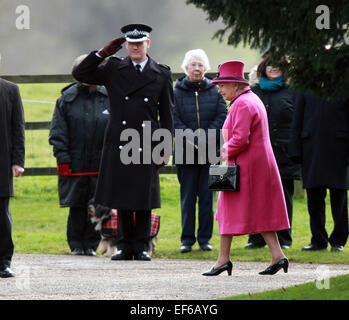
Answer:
(198, 54)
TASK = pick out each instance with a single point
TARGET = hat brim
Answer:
(220, 80)
(136, 39)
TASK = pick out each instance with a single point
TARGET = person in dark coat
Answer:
(141, 97)
(12, 154)
(278, 98)
(320, 138)
(198, 105)
(77, 133)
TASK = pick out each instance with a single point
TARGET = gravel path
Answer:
(63, 277)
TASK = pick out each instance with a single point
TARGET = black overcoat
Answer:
(142, 103)
(320, 138)
(77, 133)
(12, 135)
(279, 105)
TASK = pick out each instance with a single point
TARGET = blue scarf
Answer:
(273, 85)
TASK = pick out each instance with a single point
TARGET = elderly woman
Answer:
(198, 105)
(278, 98)
(259, 206)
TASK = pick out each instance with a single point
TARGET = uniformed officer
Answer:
(141, 100)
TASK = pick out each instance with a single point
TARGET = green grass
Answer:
(40, 226)
(49, 92)
(38, 151)
(337, 289)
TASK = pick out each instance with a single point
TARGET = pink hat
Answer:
(230, 71)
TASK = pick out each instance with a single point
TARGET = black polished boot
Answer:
(122, 255)
(142, 255)
(314, 247)
(216, 271)
(283, 263)
(6, 273)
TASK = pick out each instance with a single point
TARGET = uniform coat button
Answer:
(124, 122)
(140, 149)
(120, 147)
(143, 125)
(146, 99)
(126, 98)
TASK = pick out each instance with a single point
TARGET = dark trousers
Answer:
(193, 181)
(316, 208)
(284, 236)
(134, 230)
(80, 230)
(6, 244)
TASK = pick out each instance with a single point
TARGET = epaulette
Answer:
(117, 58)
(164, 66)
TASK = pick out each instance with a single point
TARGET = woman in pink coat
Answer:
(259, 206)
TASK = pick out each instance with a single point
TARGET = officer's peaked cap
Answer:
(136, 32)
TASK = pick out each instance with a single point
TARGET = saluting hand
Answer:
(112, 47)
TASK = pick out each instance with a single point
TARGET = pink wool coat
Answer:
(259, 205)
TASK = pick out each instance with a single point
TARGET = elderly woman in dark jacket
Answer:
(77, 133)
(198, 105)
(278, 98)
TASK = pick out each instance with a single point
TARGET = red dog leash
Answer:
(84, 174)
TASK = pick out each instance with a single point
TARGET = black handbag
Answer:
(224, 177)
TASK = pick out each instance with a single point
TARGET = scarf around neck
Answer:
(271, 85)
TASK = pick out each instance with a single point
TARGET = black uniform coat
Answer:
(77, 133)
(11, 135)
(141, 102)
(279, 105)
(320, 138)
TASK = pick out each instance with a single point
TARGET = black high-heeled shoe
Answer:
(281, 264)
(216, 271)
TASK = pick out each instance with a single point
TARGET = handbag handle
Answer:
(217, 169)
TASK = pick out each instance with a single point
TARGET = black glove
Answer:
(112, 47)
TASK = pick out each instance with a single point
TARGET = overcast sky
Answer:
(60, 30)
